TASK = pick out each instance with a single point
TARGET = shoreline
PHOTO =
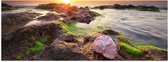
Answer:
(59, 33)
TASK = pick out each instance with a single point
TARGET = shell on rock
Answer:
(106, 46)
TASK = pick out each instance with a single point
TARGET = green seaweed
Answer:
(123, 38)
(138, 45)
(130, 49)
(38, 46)
(19, 57)
(72, 29)
(142, 45)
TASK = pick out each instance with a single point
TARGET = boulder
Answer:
(6, 7)
(49, 17)
(18, 42)
(72, 13)
(16, 18)
(110, 32)
(66, 51)
(15, 21)
(155, 54)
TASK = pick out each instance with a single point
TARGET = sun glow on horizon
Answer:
(67, 1)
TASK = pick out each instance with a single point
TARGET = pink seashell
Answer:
(106, 46)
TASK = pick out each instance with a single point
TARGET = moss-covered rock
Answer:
(130, 49)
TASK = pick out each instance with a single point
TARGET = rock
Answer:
(49, 17)
(72, 13)
(155, 54)
(66, 52)
(47, 6)
(6, 7)
(17, 42)
(100, 56)
(16, 18)
(89, 39)
(124, 54)
(7, 37)
(110, 32)
(70, 38)
(60, 50)
(63, 51)
(15, 21)
(148, 8)
(118, 6)
(60, 8)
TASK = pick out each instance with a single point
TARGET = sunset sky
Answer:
(75, 1)
(85, 0)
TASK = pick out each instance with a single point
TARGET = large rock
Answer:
(16, 18)
(49, 17)
(17, 42)
(15, 21)
(155, 54)
(6, 7)
(71, 13)
(66, 51)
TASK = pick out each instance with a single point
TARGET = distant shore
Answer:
(122, 7)
(160, 4)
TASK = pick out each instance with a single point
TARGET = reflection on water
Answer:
(142, 25)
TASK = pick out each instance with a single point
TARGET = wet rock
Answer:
(7, 37)
(89, 39)
(6, 7)
(60, 8)
(17, 18)
(118, 6)
(100, 56)
(60, 50)
(49, 17)
(72, 13)
(148, 8)
(124, 54)
(155, 54)
(49, 29)
(110, 32)
(16, 21)
(65, 51)
(17, 42)
(70, 38)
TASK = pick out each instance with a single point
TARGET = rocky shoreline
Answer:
(53, 39)
(6, 7)
(122, 7)
(68, 12)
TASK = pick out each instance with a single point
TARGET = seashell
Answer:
(106, 46)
